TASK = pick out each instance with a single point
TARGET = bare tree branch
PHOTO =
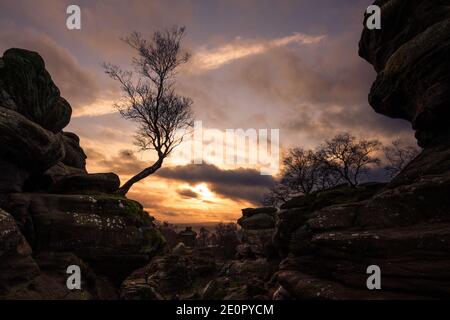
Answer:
(148, 96)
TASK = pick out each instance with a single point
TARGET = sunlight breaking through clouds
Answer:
(210, 59)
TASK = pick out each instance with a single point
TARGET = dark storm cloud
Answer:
(238, 184)
(187, 193)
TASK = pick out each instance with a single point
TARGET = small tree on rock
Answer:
(149, 97)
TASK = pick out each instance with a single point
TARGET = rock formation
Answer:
(404, 228)
(53, 213)
(257, 227)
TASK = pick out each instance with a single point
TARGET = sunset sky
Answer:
(288, 65)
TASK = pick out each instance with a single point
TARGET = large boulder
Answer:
(113, 235)
(241, 280)
(296, 212)
(257, 228)
(410, 54)
(28, 88)
(12, 177)
(16, 264)
(404, 228)
(257, 221)
(86, 184)
(179, 274)
(23, 276)
(75, 156)
(27, 144)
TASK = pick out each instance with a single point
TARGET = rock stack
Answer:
(257, 228)
(404, 228)
(54, 213)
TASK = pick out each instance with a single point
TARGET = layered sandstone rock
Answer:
(410, 54)
(257, 228)
(403, 228)
(57, 214)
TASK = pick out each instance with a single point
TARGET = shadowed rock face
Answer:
(24, 80)
(410, 54)
(56, 213)
(404, 228)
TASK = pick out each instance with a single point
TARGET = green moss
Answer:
(108, 196)
(129, 208)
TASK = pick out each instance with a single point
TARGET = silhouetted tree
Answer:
(398, 155)
(349, 157)
(301, 170)
(149, 98)
(277, 195)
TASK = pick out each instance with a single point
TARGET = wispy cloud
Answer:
(209, 59)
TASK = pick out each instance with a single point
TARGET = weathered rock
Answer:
(16, 264)
(255, 243)
(107, 236)
(248, 212)
(404, 228)
(241, 280)
(26, 81)
(257, 228)
(75, 156)
(305, 286)
(12, 178)
(27, 144)
(53, 265)
(23, 277)
(296, 212)
(410, 56)
(86, 184)
(257, 221)
(113, 235)
(175, 275)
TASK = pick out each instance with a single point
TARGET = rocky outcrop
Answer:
(257, 228)
(24, 276)
(296, 212)
(410, 55)
(56, 214)
(242, 280)
(112, 234)
(403, 228)
(86, 183)
(29, 90)
(75, 156)
(179, 274)
(27, 144)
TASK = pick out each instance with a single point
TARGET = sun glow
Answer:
(203, 191)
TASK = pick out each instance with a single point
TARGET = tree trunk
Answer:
(123, 190)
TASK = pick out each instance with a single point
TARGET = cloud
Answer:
(238, 184)
(188, 193)
(209, 59)
(124, 162)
